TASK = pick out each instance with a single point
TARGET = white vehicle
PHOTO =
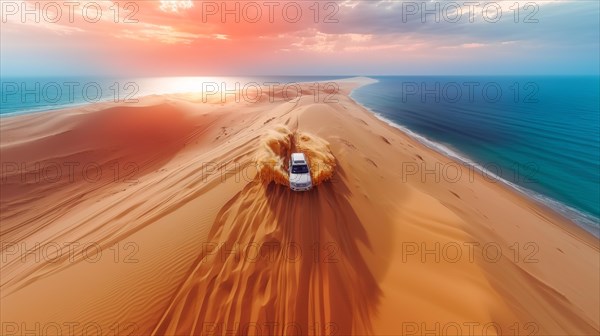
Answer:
(299, 173)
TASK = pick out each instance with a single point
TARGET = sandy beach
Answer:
(171, 217)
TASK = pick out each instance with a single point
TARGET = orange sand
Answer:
(189, 238)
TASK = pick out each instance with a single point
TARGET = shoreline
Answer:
(580, 219)
(524, 193)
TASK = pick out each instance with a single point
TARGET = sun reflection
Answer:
(192, 85)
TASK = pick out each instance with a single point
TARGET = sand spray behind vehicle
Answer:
(276, 148)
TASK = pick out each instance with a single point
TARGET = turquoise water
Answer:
(21, 95)
(539, 134)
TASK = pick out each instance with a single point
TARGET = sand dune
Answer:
(197, 233)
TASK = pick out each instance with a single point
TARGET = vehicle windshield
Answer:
(300, 169)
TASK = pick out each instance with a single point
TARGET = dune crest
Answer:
(280, 142)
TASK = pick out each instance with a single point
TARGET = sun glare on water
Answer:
(191, 85)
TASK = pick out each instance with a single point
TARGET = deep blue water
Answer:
(541, 134)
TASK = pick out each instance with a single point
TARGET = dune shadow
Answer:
(279, 263)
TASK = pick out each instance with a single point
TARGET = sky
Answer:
(231, 38)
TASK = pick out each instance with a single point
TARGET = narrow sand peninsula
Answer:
(188, 229)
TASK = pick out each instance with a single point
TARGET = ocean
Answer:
(540, 135)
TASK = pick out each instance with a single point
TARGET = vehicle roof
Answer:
(298, 157)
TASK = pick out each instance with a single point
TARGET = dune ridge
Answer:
(205, 237)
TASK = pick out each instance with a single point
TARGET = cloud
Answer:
(347, 35)
(175, 5)
(551, 21)
(162, 34)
